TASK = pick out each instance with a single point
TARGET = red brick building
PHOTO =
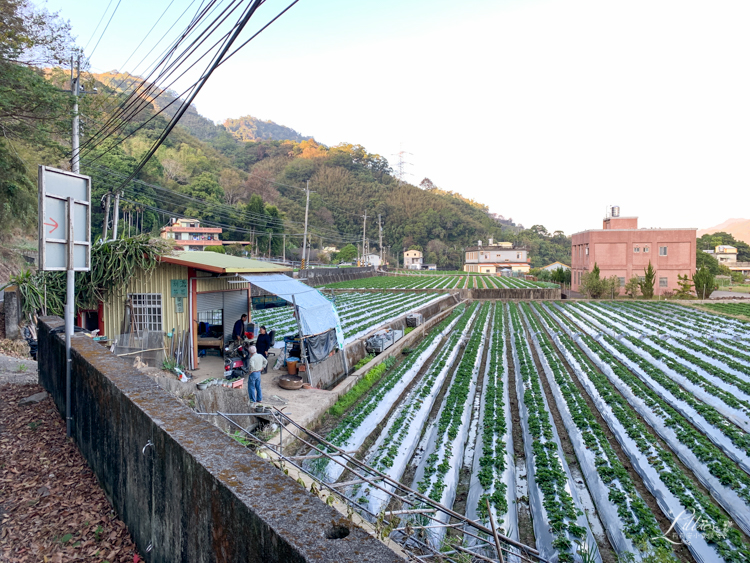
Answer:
(621, 249)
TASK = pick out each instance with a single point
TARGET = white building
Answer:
(413, 259)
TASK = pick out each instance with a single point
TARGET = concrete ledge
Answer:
(179, 483)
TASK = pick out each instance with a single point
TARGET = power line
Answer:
(97, 25)
(105, 28)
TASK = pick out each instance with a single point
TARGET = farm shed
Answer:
(185, 291)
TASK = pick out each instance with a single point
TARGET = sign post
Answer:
(65, 242)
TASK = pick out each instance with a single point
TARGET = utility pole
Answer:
(75, 141)
(380, 246)
(364, 228)
(106, 219)
(115, 219)
(307, 208)
(283, 249)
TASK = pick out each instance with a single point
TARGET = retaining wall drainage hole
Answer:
(337, 533)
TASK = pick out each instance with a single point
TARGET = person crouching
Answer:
(256, 365)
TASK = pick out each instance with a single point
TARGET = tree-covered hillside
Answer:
(247, 176)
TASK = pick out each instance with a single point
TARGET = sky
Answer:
(547, 111)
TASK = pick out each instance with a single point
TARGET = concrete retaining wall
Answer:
(179, 483)
(512, 293)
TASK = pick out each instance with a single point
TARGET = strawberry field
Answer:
(597, 431)
(421, 281)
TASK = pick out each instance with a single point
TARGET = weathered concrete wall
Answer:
(325, 374)
(12, 313)
(514, 293)
(194, 495)
(322, 276)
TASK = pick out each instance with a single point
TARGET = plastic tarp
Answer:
(316, 313)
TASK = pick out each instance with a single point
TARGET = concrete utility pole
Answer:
(380, 244)
(70, 272)
(364, 228)
(106, 218)
(283, 249)
(75, 141)
(115, 219)
(307, 209)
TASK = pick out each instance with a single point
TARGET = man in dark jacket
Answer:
(264, 342)
(238, 332)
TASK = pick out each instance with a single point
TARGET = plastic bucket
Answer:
(291, 367)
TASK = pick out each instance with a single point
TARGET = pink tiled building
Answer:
(621, 249)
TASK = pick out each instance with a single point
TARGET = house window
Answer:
(662, 282)
(636, 249)
(662, 251)
(645, 249)
(146, 311)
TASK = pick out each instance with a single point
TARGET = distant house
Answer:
(189, 235)
(723, 253)
(413, 259)
(555, 266)
(496, 258)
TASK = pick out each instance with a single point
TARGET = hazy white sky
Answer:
(545, 110)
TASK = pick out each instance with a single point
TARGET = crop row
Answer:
(493, 468)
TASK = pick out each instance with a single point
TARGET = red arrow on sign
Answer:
(54, 225)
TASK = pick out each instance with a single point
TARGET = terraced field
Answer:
(598, 431)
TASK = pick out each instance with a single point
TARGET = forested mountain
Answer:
(246, 176)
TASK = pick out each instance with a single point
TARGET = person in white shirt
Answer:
(256, 364)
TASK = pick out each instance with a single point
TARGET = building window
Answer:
(642, 278)
(662, 282)
(146, 311)
(622, 281)
(636, 249)
(662, 251)
(587, 251)
(645, 249)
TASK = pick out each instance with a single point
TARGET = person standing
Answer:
(238, 332)
(264, 343)
(256, 365)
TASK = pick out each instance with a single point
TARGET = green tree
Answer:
(685, 287)
(612, 287)
(704, 283)
(347, 254)
(591, 283)
(647, 284)
(633, 287)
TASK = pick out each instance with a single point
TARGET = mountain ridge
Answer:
(737, 227)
